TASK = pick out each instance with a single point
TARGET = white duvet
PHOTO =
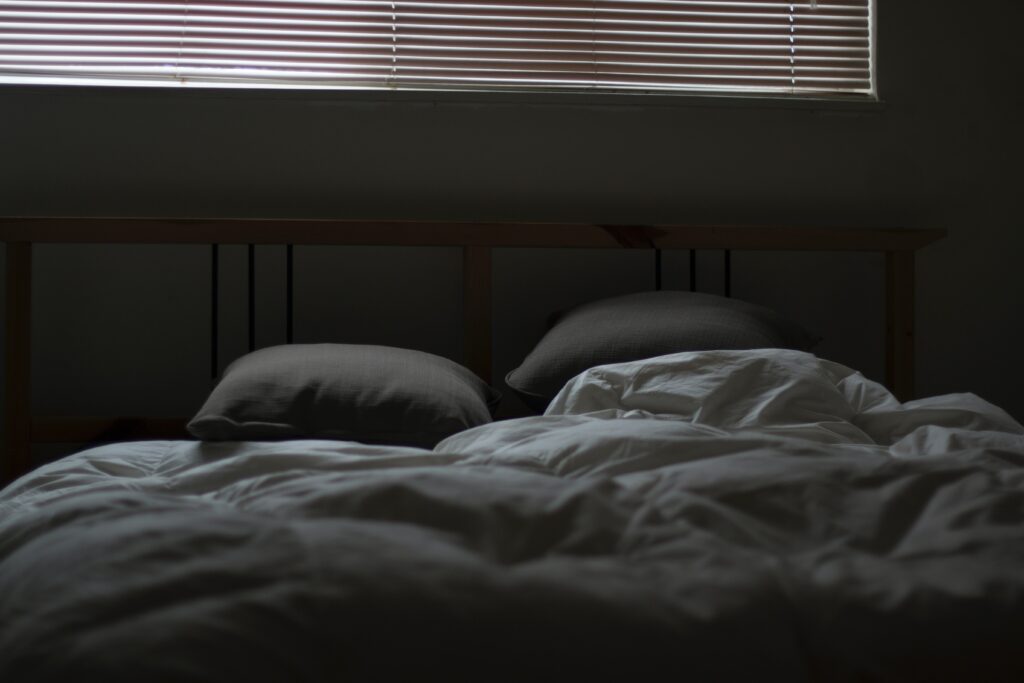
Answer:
(700, 516)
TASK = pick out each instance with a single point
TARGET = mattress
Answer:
(701, 515)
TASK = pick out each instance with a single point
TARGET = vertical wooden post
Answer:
(289, 294)
(18, 361)
(476, 298)
(899, 323)
(214, 312)
(252, 297)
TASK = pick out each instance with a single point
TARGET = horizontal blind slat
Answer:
(656, 44)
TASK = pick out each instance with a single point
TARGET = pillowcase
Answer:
(645, 325)
(371, 394)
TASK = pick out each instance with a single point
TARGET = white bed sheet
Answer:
(708, 515)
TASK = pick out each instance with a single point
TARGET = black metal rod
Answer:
(657, 270)
(252, 297)
(214, 309)
(289, 314)
(727, 273)
(693, 270)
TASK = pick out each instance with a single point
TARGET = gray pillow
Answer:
(645, 325)
(372, 394)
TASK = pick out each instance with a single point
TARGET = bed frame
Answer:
(476, 239)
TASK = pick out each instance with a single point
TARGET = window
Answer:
(745, 46)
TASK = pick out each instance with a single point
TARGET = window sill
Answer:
(333, 96)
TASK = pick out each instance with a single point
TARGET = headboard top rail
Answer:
(456, 233)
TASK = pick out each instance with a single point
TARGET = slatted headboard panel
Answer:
(476, 239)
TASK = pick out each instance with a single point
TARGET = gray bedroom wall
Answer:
(124, 329)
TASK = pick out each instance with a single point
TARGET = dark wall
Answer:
(124, 329)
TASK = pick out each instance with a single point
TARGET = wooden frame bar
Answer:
(477, 240)
(899, 323)
(18, 361)
(456, 234)
(476, 298)
(98, 429)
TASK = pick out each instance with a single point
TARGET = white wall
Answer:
(123, 329)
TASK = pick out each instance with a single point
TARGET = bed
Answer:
(717, 513)
(710, 515)
(477, 240)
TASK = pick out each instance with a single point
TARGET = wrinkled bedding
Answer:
(709, 515)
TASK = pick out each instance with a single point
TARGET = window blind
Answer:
(614, 45)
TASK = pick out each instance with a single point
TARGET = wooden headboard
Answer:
(476, 239)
